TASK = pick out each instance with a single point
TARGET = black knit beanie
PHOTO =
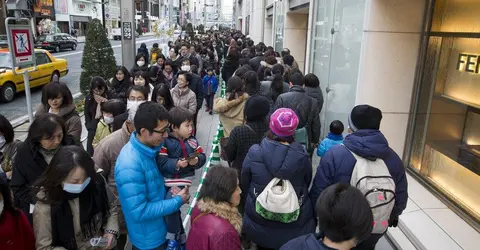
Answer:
(364, 117)
(256, 108)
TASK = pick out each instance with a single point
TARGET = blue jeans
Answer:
(175, 230)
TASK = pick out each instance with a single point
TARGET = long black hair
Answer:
(6, 129)
(235, 86)
(277, 81)
(126, 78)
(251, 82)
(163, 90)
(7, 199)
(97, 82)
(44, 126)
(54, 90)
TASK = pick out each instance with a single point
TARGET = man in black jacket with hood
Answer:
(259, 57)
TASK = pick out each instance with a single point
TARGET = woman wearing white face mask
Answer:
(74, 204)
(110, 109)
(141, 64)
(141, 79)
(15, 231)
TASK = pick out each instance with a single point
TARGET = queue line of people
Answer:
(127, 188)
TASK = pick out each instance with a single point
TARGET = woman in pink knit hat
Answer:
(278, 155)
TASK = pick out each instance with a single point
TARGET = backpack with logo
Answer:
(378, 186)
(278, 202)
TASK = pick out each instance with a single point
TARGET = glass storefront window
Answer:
(445, 149)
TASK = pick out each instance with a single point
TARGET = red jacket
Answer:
(16, 232)
(213, 230)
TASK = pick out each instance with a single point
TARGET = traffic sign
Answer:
(20, 42)
(127, 30)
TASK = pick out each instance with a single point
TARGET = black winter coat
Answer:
(229, 67)
(29, 165)
(255, 62)
(306, 109)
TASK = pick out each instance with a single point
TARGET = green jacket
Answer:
(103, 130)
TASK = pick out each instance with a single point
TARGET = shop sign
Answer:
(81, 7)
(61, 7)
(468, 63)
(44, 8)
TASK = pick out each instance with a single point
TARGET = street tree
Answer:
(98, 58)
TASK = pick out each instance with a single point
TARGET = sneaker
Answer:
(211, 112)
(172, 245)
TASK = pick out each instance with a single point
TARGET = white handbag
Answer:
(278, 202)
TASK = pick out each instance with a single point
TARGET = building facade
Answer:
(419, 62)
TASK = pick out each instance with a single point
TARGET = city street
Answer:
(18, 107)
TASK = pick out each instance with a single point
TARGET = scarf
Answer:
(94, 212)
(99, 99)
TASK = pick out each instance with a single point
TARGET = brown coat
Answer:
(73, 124)
(186, 99)
(231, 112)
(105, 157)
(42, 225)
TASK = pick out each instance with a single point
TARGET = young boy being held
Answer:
(178, 159)
(335, 137)
(210, 85)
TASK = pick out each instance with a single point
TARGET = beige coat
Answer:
(105, 157)
(231, 112)
(42, 225)
(185, 99)
(73, 124)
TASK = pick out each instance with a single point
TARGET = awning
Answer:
(82, 19)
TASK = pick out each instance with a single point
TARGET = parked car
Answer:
(48, 68)
(56, 42)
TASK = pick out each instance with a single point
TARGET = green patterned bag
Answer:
(278, 202)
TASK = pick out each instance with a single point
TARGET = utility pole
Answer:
(127, 9)
(3, 14)
(103, 14)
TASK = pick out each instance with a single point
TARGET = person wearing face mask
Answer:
(141, 79)
(182, 95)
(110, 109)
(141, 64)
(46, 135)
(120, 84)
(98, 94)
(161, 94)
(140, 184)
(143, 50)
(8, 148)
(107, 151)
(15, 230)
(74, 204)
(136, 96)
(57, 99)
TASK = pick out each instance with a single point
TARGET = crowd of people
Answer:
(126, 188)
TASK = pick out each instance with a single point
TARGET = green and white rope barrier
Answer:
(213, 159)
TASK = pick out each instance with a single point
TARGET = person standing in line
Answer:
(365, 141)
(210, 85)
(110, 109)
(333, 138)
(107, 151)
(182, 95)
(120, 83)
(92, 111)
(16, 233)
(8, 148)
(141, 186)
(344, 220)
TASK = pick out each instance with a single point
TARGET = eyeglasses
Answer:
(163, 131)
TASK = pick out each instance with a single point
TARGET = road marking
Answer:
(116, 46)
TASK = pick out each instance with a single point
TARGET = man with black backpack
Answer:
(366, 161)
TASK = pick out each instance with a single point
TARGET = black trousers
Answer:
(90, 136)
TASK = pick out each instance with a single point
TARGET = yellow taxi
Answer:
(48, 68)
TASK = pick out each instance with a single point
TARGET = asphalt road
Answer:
(18, 107)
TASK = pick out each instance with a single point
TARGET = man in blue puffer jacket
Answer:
(139, 182)
(366, 141)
